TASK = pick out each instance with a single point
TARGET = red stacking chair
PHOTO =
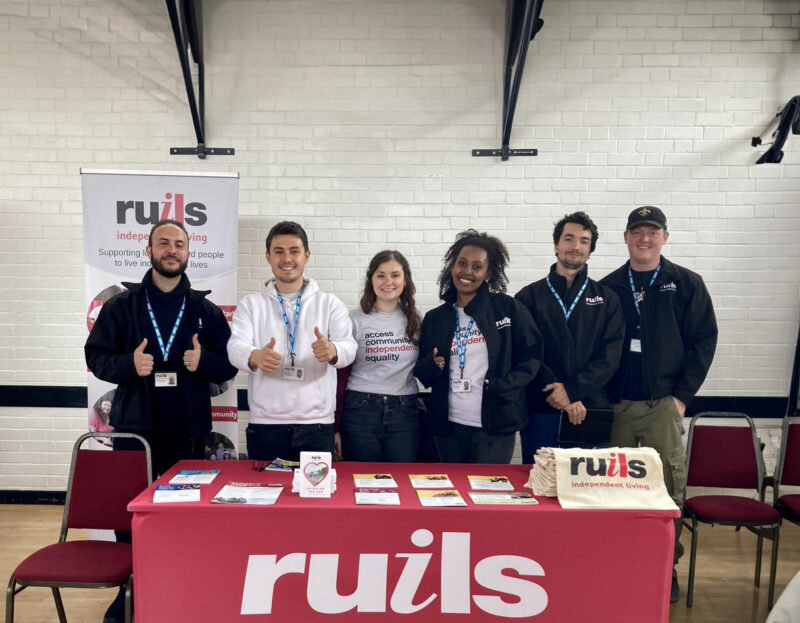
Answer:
(729, 457)
(101, 483)
(787, 470)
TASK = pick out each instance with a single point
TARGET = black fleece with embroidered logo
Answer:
(583, 352)
(514, 345)
(677, 328)
(122, 325)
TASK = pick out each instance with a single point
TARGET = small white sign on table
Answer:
(315, 474)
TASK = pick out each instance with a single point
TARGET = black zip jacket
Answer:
(678, 331)
(122, 325)
(582, 353)
(514, 346)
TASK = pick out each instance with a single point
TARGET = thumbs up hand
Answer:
(142, 361)
(438, 359)
(191, 358)
(324, 351)
(266, 359)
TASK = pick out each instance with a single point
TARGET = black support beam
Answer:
(186, 17)
(523, 21)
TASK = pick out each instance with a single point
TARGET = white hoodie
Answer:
(273, 399)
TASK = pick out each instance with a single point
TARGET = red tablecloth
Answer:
(307, 560)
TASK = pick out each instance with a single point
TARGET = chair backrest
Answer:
(102, 482)
(726, 456)
(787, 469)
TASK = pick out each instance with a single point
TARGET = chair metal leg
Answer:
(10, 594)
(692, 558)
(773, 567)
(62, 617)
(759, 550)
(128, 599)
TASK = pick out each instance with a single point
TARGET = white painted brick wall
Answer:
(357, 119)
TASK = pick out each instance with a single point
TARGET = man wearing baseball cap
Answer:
(670, 339)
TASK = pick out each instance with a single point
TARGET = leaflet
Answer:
(383, 481)
(502, 497)
(281, 465)
(490, 483)
(440, 497)
(176, 493)
(194, 477)
(248, 493)
(383, 497)
(430, 481)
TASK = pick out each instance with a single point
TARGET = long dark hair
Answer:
(406, 301)
(496, 252)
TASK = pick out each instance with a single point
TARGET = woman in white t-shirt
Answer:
(478, 351)
(380, 421)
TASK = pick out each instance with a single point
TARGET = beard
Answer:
(162, 270)
(573, 263)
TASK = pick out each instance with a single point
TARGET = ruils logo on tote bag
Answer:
(617, 465)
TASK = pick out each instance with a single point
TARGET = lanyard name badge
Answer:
(567, 312)
(461, 384)
(292, 372)
(165, 379)
(638, 297)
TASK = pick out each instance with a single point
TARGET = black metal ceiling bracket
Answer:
(186, 17)
(522, 25)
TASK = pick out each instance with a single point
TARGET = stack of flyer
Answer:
(248, 493)
(378, 489)
(184, 486)
(542, 478)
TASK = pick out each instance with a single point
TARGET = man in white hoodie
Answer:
(290, 337)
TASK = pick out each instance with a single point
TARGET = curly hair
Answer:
(495, 250)
(579, 218)
(406, 301)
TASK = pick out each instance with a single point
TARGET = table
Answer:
(330, 560)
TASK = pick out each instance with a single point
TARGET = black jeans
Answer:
(266, 442)
(472, 444)
(380, 428)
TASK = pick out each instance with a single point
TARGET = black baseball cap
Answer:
(647, 215)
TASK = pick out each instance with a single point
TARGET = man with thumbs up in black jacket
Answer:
(162, 343)
(290, 337)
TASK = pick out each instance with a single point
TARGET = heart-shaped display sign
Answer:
(315, 473)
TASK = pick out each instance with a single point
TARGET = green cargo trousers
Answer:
(659, 425)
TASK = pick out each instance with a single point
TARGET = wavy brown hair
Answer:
(406, 301)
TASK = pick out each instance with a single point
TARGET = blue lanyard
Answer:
(289, 332)
(461, 341)
(164, 350)
(633, 287)
(567, 312)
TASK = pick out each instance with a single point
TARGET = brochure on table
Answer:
(248, 493)
(490, 483)
(375, 481)
(381, 497)
(194, 477)
(440, 497)
(176, 493)
(502, 497)
(430, 481)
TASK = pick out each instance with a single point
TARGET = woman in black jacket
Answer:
(477, 352)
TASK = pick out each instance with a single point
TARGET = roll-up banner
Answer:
(119, 209)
